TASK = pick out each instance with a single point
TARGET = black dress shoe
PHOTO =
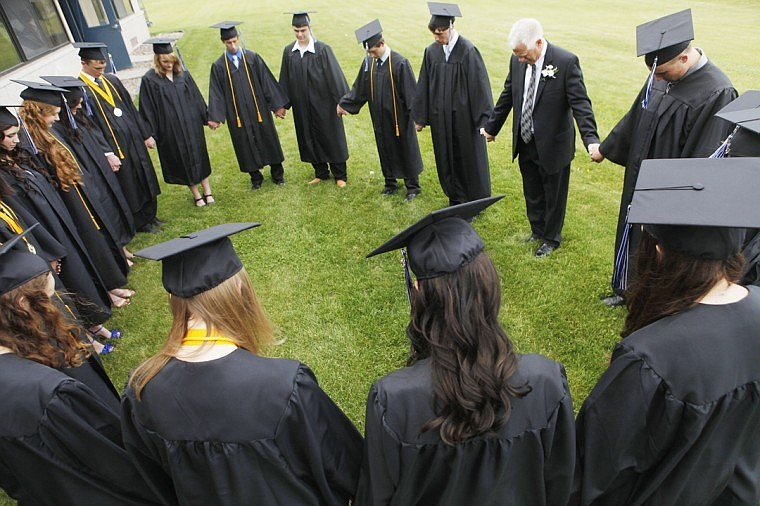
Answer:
(544, 250)
(255, 186)
(150, 229)
(614, 300)
(411, 196)
(388, 190)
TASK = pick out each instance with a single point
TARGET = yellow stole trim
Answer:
(76, 185)
(197, 337)
(9, 217)
(96, 90)
(393, 88)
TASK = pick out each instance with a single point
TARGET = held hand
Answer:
(418, 127)
(213, 125)
(596, 155)
(341, 111)
(489, 137)
(150, 143)
(114, 162)
(280, 113)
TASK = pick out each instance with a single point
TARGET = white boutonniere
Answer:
(549, 72)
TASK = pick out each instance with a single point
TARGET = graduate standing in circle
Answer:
(60, 437)
(311, 76)
(675, 417)
(126, 132)
(172, 104)
(672, 117)
(210, 421)
(468, 421)
(386, 82)
(454, 97)
(243, 91)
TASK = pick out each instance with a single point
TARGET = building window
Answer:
(123, 8)
(28, 28)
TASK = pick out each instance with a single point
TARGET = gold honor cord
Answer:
(96, 90)
(232, 90)
(76, 185)
(66, 306)
(253, 94)
(10, 218)
(393, 89)
(197, 337)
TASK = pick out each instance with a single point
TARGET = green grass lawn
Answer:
(345, 315)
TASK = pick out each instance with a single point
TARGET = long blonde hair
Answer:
(230, 309)
(65, 165)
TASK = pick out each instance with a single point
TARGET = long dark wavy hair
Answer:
(12, 162)
(455, 323)
(667, 282)
(33, 327)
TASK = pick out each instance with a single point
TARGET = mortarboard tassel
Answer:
(113, 65)
(181, 61)
(650, 82)
(87, 107)
(407, 276)
(28, 135)
(723, 148)
(72, 121)
(620, 272)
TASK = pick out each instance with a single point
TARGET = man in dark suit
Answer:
(545, 88)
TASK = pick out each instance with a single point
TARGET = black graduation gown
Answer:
(85, 204)
(454, 98)
(59, 443)
(528, 461)
(176, 113)
(45, 245)
(78, 271)
(241, 429)
(399, 154)
(256, 142)
(90, 152)
(679, 123)
(675, 418)
(314, 85)
(126, 136)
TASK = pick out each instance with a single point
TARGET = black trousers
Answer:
(412, 184)
(545, 194)
(146, 215)
(278, 174)
(338, 170)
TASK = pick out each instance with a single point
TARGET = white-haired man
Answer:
(545, 88)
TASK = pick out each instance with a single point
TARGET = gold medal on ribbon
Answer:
(117, 112)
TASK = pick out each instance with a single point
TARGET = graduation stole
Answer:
(76, 185)
(232, 89)
(9, 217)
(393, 89)
(197, 337)
(108, 97)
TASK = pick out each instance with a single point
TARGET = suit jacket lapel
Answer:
(519, 86)
(542, 82)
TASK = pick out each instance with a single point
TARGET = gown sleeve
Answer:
(148, 106)
(217, 105)
(558, 442)
(138, 446)
(381, 464)
(622, 428)
(354, 100)
(479, 86)
(420, 104)
(270, 87)
(79, 429)
(319, 442)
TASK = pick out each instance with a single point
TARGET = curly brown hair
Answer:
(57, 157)
(455, 323)
(33, 327)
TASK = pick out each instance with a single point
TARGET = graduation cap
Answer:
(18, 266)
(442, 14)
(370, 34)
(41, 92)
(300, 18)
(744, 112)
(441, 242)
(163, 45)
(664, 38)
(7, 117)
(92, 50)
(227, 29)
(75, 87)
(199, 261)
(698, 206)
